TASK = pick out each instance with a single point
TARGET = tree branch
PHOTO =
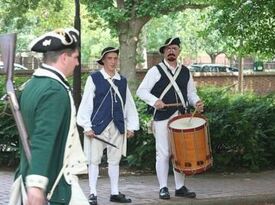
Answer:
(120, 4)
(184, 7)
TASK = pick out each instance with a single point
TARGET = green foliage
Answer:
(141, 148)
(9, 138)
(242, 129)
(13, 12)
(249, 23)
(191, 25)
(120, 12)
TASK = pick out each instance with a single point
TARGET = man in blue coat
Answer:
(108, 111)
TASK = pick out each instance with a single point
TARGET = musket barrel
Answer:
(7, 45)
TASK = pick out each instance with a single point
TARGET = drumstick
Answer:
(173, 105)
(192, 115)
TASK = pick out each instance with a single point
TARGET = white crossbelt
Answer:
(173, 82)
(124, 148)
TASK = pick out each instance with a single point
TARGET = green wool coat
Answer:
(45, 107)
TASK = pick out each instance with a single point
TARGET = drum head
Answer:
(187, 123)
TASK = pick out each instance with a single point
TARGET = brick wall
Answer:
(261, 82)
(258, 82)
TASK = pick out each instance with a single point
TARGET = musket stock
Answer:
(7, 47)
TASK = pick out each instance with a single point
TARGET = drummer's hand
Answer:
(35, 196)
(199, 106)
(89, 133)
(130, 134)
(159, 104)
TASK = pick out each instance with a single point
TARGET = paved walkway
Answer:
(211, 189)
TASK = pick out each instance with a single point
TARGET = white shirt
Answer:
(152, 77)
(87, 104)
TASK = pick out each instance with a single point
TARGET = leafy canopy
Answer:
(119, 11)
(250, 23)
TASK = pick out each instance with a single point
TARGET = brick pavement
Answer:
(211, 189)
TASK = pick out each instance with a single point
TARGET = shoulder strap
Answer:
(124, 146)
(117, 92)
(163, 92)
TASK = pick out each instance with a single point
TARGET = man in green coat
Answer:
(49, 115)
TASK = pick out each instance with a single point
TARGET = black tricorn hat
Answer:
(105, 51)
(170, 41)
(56, 40)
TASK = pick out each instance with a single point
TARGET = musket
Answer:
(7, 47)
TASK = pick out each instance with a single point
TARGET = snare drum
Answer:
(190, 144)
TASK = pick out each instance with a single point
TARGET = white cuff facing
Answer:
(87, 129)
(37, 181)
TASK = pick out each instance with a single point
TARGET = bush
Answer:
(242, 129)
(141, 148)
(9, 137)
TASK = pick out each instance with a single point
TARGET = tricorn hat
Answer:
(170, 41)
(105, 51)
(56, 40)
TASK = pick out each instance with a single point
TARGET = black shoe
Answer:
(120, 198)
(184, 192)
(92, 199)
(164, 193)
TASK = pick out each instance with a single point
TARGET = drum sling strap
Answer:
(173, 83)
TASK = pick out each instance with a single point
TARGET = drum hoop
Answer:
(187, 129)
(189, 172)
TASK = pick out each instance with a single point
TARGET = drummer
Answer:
(168, 89)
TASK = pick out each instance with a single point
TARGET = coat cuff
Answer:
(37, 181)
(87, 129)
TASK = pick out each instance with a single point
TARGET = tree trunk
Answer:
(240, 77)
(213, 59)
(128, 46)
(128, 39)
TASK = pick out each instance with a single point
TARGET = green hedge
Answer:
(8, 132)
(242, 131)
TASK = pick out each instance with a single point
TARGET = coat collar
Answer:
(52, 72)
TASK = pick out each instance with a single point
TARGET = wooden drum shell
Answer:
(190, 146)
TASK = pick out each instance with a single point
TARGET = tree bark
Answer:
(213, 58)
(240, 77)
(128, 39)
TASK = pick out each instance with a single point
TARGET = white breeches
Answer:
(112, 135)
(163, 152)
(94, 148)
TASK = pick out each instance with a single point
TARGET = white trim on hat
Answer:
(72, 37)
(167, 44)
(170, 41)
(103, 54)
(109, 51)
(56, 35)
